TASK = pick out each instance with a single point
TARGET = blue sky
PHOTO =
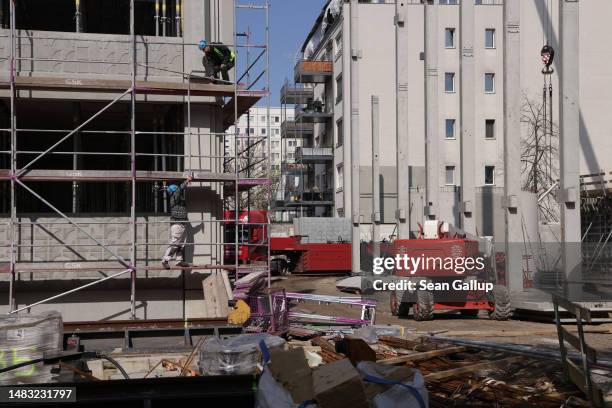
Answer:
(290, 22)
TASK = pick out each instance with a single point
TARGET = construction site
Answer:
(424, 220)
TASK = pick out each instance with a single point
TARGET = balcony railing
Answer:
(314, 154)
(308, 71)
(295, 94)
(293, 130)
(311, 197)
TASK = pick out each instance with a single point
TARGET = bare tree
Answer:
(539, 156)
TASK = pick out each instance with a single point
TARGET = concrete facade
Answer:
(44, 240)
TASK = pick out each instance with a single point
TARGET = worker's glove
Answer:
(223, 66)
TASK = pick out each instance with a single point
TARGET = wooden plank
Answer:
(422, 356)
(227, 285)
(470, 369)
(215, 296)
(572, 339)
(576, 374)
(573, 308)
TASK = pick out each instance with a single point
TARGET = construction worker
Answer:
(178, 216)
(217, 58)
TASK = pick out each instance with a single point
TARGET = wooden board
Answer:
(422, 356)
(215, 296)
(471, 368)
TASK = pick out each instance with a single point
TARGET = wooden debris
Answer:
(215, 295)
(422, 356)
(471, 368)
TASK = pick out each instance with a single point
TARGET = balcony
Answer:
(313, 112)
(314, 154)
(293, 168)
(293, 130)
(311, 197)
(296, 95)
(314, 72)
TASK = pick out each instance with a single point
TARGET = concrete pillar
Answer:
(569, 144)
(467, 89)
(355, 159)
(432, 145)
(402, 75)
(375, 177)
(512, 144)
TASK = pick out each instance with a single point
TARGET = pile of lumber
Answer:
(252, 283)
(461, 376)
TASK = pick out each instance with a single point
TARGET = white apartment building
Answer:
(255, 124)
(460, 110)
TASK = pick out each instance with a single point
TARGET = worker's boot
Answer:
(165, 264)
(181, 264)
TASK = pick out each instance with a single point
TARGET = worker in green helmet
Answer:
(217, 58)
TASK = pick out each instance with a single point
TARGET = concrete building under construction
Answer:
(103, 104)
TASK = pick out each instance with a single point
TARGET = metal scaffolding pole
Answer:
(268, 136)
(133, 231)
(13, 257)
(432, 145)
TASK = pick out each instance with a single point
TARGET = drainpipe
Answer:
(375, 178)
(432, 168)
(156, 18)
(355, 216)
(78, 16)
(402, 213)
(178, 18)
(163, 18)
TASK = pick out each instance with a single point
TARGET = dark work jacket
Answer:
(177, 203)
(220, 54)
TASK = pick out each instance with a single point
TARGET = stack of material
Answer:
(459, 376)
(217, 293)
(249, 284)
(26, 337)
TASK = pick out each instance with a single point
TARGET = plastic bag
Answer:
(411, 393)
(25, 337)
(234, 355)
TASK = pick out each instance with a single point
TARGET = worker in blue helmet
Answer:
(218, 58)
(178, 227)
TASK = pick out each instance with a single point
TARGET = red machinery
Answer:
(288, 254)
(468, 302)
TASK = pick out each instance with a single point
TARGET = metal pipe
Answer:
(271, 199)
(69, 291)
(13, 235)
(355, 136)
(78, 16)
(24, 168)
(178, 18)
(156, 17)
(375, 177)
(133, 231)
(163, 19)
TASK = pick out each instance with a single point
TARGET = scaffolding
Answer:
(236, 98)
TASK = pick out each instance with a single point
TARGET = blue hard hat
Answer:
(202, 44)
(172, 188)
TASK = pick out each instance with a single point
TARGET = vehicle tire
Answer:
(398, 308)
(423, 309)
(502, 307)
(469, 312)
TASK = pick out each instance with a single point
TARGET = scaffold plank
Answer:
(78, 84)
(245, 102)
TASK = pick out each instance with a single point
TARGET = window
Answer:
(447, 2)
(291, 156)
(450, 128)
(489, 175)
(450, 176)
(339, 88)
(277, 132)
(263, 118)
(339, 44)
(263, 131)
(292, 143)
(275, 156)
(237, 131)
(340, 177)
(490, 129)
(449, 38)
(490, 38)
(489, 83)
(339, 133)
(449, 82)
(252, 130)
(276, 119)
(275, 144)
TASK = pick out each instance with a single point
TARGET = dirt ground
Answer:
(450, 324)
